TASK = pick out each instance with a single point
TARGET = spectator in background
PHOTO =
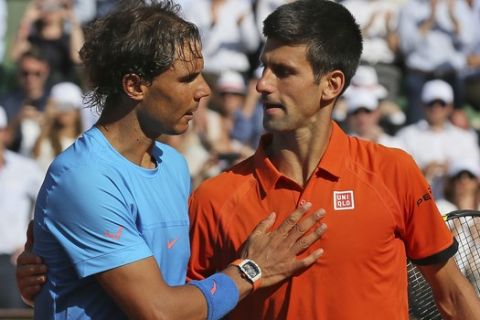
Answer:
(433, 36)
(239, 119)
(26, 103)
(62, 125)
(365, 78)
(435, 143)
(378, 20)
(85, 10)
(471, 74)
(462, 188)
(228, 32)
(44, 25)
(363, 119)
(229, 35)
(20, 180)
(263, 8)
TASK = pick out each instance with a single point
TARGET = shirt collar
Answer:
(332, 161)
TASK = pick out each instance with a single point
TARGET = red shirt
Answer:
(379, 211)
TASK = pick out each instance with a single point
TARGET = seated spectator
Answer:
(471, 73)
(20, 180)
(365, 78)
(378, 20)
(26, 103)
(62, 125)
(228, 33)
(462, 188)
(435, 143)
(433, 38)
(241, 116)
(363, 118)
(43, 25)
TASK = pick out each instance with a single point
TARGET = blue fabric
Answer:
(220, 292)
(96, 211)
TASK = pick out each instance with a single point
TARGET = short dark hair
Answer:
(138, 37)
(34, 53)
(332, 36)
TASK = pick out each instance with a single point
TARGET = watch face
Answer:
(251, 270)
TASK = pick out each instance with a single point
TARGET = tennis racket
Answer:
(465, 226)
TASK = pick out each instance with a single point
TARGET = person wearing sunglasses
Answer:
(25, 104)
(434, 142)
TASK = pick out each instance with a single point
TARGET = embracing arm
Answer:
(455, 296)
(140, 291)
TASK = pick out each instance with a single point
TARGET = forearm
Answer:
(454, 295)
(21, 43)
(463, 304)
(198, 306)
(76, 41)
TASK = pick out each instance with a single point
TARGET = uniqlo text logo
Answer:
(343, 200)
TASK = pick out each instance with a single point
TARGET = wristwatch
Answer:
(250, 270)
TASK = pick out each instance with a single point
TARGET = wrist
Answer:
(220, 292)
(249, 271)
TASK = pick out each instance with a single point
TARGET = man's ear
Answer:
(334, 83)
(133, 86)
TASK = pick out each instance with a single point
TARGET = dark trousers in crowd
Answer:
(9, 294)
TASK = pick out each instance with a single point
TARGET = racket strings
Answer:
(467, 232)
(465, 226)
(420, 297)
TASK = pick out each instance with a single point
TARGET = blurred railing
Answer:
(13, 314)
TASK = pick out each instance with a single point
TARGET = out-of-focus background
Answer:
(417, 88)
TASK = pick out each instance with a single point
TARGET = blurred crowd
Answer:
(417, 88)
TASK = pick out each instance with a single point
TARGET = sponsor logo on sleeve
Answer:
(114, 236)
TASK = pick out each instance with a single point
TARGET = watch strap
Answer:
(239, 263)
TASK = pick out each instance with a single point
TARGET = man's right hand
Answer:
(31, 273)
(276, 252)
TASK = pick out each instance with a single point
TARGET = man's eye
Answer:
(189, 78)
(281, 72)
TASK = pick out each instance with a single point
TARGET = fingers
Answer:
(28, 294)
(26, 258)
(309, 260)
(30, 284)
(300, 228)
(29, 270)
(291, 221)
(265, 224)
(305, 242)
(30, 277)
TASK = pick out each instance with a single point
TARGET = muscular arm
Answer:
(454, 295)
(139, 289)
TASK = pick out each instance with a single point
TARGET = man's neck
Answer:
(297, 154)
(126, 136)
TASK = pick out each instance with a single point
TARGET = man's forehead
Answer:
(279, 50)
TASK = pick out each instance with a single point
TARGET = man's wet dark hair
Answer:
(138, 37)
